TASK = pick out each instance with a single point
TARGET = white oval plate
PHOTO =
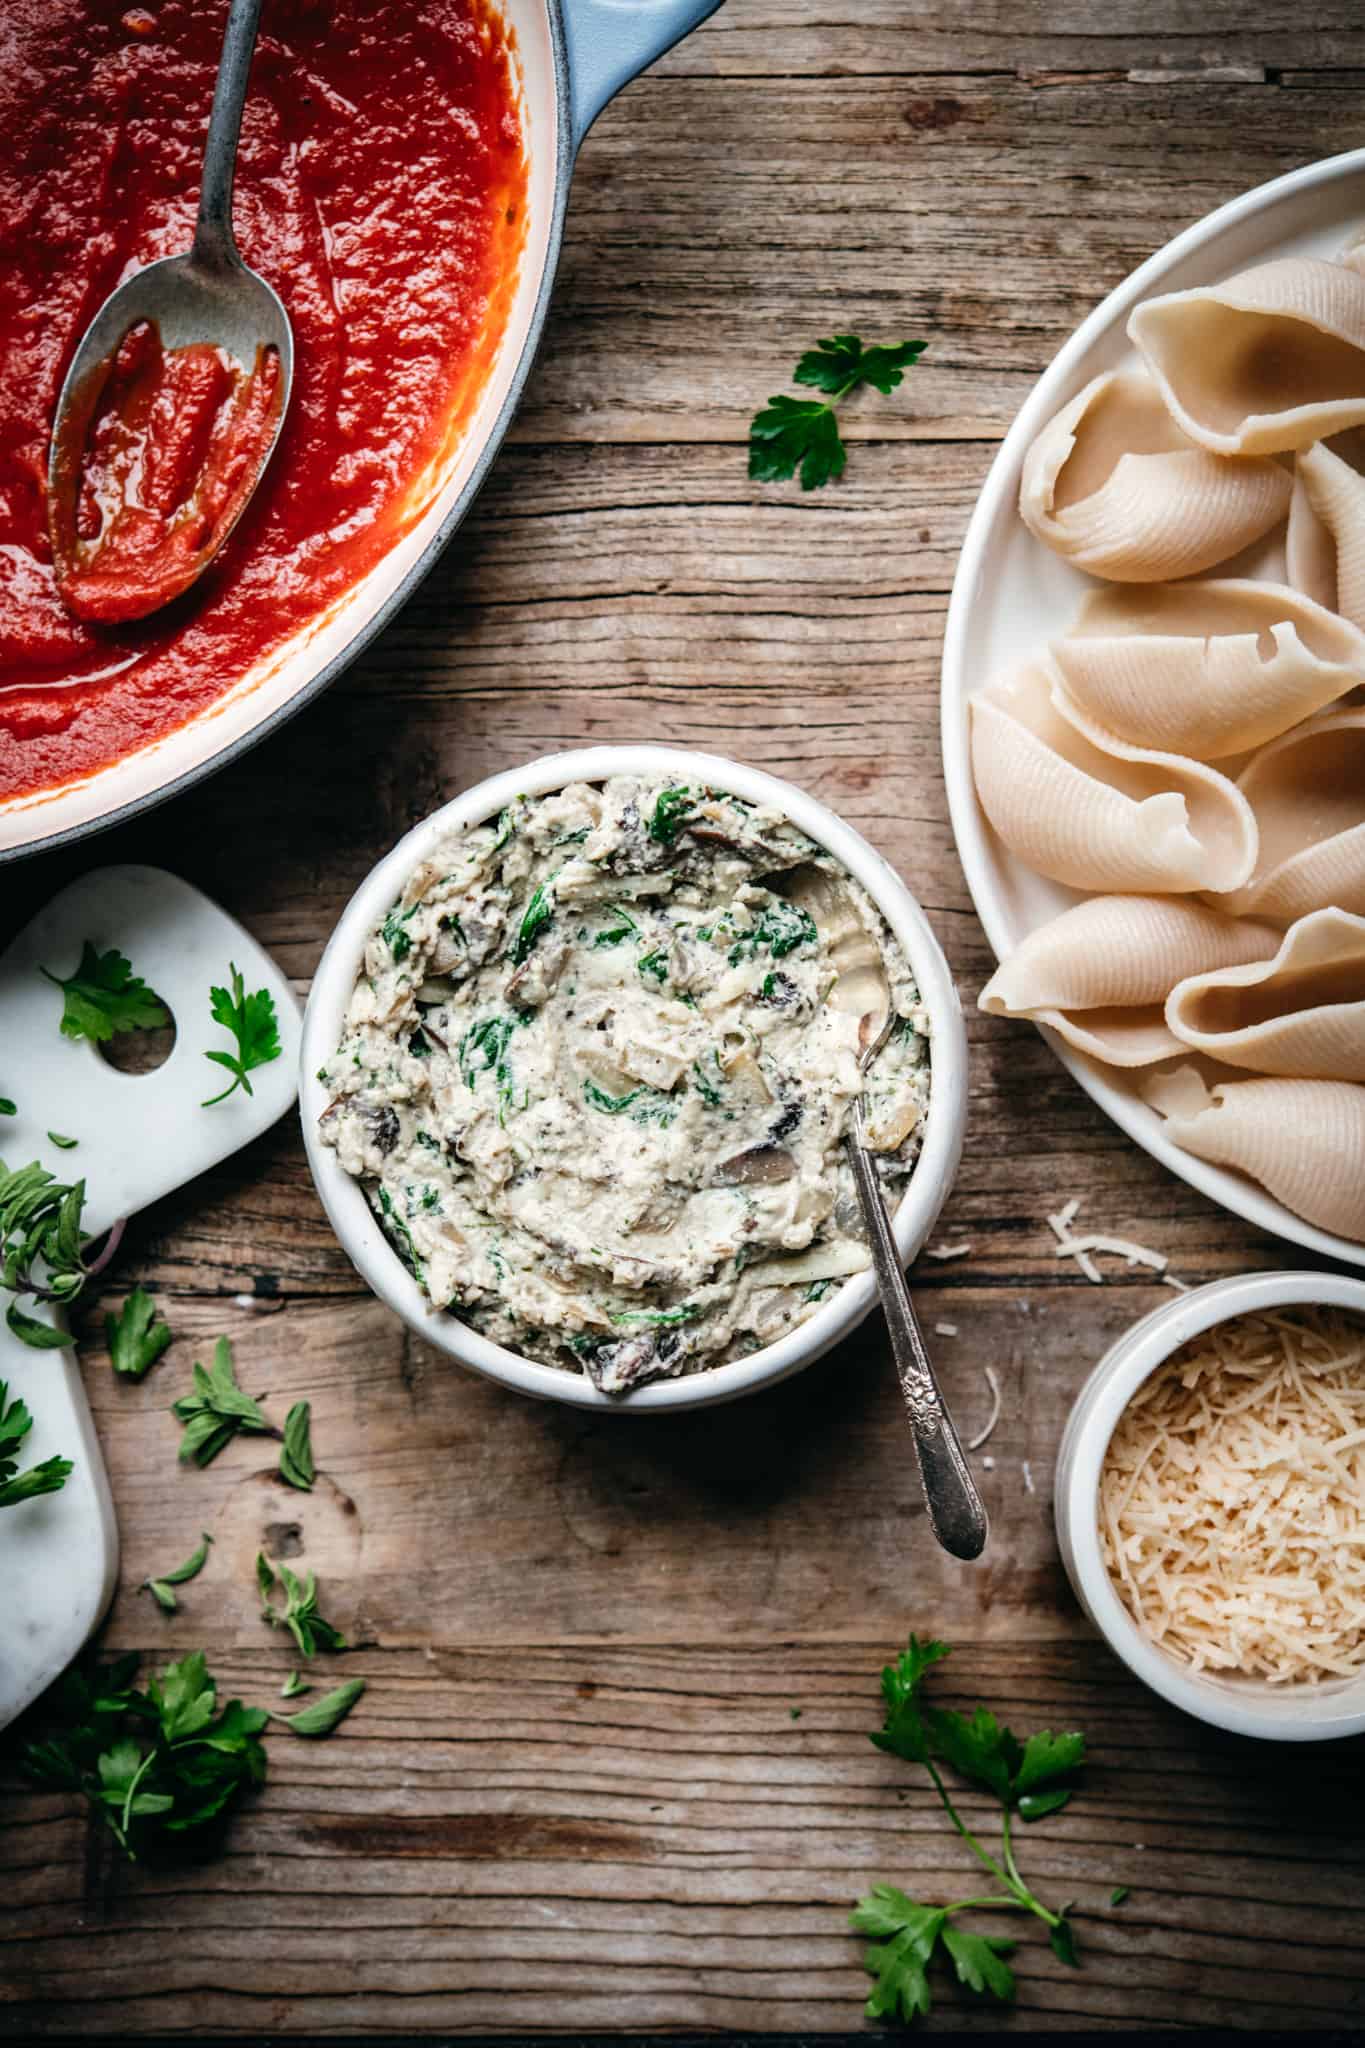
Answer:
(1011, 594)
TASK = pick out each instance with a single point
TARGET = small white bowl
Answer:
(926, 1190)
(1244, 1706)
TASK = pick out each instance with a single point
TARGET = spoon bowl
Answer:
(206, 299)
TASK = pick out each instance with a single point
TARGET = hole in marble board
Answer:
(142, 1050)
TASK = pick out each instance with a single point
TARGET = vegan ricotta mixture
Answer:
(594, 1089)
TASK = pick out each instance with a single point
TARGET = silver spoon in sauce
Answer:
(206, 301)
(861, 988)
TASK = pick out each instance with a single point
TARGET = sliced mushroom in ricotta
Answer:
(594, 1090)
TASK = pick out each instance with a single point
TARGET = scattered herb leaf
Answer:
(294, 1685)
(104, 996)
(299, 1610)
(842, 363)
(1119, 1894)
(160, 1589)
(62, 1144)
(252, 1021)
(325, 1714)
(216, 1410)
(296, 1453)
(135, 1338)
(7, 1108)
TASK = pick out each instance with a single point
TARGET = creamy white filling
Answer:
(596, 1091)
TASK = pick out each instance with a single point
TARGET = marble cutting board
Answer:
(141, 1136)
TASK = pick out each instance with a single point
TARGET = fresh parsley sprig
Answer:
(40, 1247)
(1029, 1779)
(164, 1762)
(253, 1022)
(15, 1486)
(791, 434)
(104, 996)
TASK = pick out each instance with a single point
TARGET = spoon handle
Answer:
(213, 240)
(956, 1514)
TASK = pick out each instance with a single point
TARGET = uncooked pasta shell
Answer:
(1206, 669)
(1325, 540)
(1304, 1141)
(1308, 793)
(1114, 486)
(1088, 809)
(1099, 973)
(1301, 1014)
(1272, 360)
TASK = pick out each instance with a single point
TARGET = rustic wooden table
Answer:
(612, 1769)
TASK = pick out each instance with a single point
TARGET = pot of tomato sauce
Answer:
(402, 183)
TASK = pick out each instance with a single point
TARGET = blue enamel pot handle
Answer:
(607, 42)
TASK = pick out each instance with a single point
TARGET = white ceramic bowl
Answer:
(1245, 1706)
(353, 1220)
(1011, 594)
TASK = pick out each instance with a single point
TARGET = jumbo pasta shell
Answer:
(1206, 669)
(1099, 974)
(1325, 539)
(1112, 485)
(1307, 791)
(1272, 360)
(1304, 1141)
(1088, 809)
(1301, 1014)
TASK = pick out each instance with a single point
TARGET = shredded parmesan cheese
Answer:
(1232, 1499)
(946, 1251)
(1069, 1246)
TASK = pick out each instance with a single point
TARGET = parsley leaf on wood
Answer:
(216, 1410)
(296, 1453)
(1026, 1777)
(160, 1589)
(791, 434)
(252, 1021)
(152, 1764)
(295, 1684)
(135, 1338)
(15, 1486)
(104, 996)
(841, 364)
(299, 1611)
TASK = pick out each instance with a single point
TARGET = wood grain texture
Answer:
(575, 1795)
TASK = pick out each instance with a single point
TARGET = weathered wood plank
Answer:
(574, 1795)
(643, 1835)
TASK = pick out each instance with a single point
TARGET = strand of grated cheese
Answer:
(1069, 1246)
(1232, 1499)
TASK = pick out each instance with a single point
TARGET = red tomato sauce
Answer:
(381, 191)
(155, 462)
